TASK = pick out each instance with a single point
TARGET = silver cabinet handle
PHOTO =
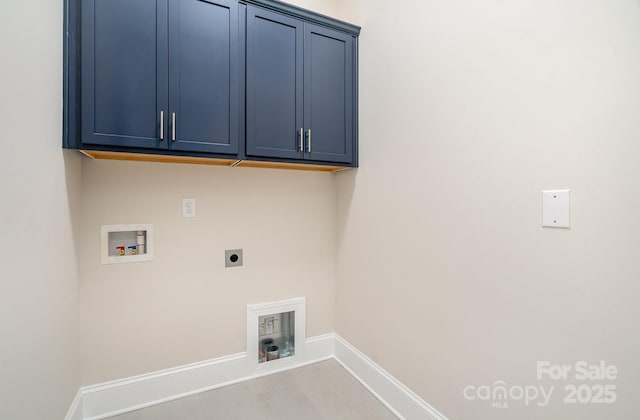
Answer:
(173, 126)
(309, 140)
(301, 140)
(161, 125)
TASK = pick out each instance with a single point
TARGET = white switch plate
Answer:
(556, 208)
(188, 207)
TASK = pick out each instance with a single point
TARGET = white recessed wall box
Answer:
(276, 334)
(556, 208)
(126, 243)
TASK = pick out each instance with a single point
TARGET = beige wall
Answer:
(185, 306)
(39, 186)
(467, 111)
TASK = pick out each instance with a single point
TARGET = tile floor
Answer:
(322, 391)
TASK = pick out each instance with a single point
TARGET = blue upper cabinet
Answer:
(300, 89)
(124, 84)
(328, 95)
(161, 74)
(228, 82)
(203, 75)
(274, 85)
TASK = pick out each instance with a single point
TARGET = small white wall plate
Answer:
(556, 208)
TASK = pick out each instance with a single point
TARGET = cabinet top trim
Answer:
(307, 15)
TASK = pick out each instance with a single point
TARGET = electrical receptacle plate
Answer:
(233, 258)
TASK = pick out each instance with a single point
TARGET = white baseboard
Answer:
(75, 411)
(112, 398)
(403, 402)
(121, 396)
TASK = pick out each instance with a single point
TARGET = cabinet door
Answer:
(328, 94)
(274, 84)
(124, 72)
(203, 75)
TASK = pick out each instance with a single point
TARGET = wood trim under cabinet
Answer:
(141, 157)
(285, 165)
